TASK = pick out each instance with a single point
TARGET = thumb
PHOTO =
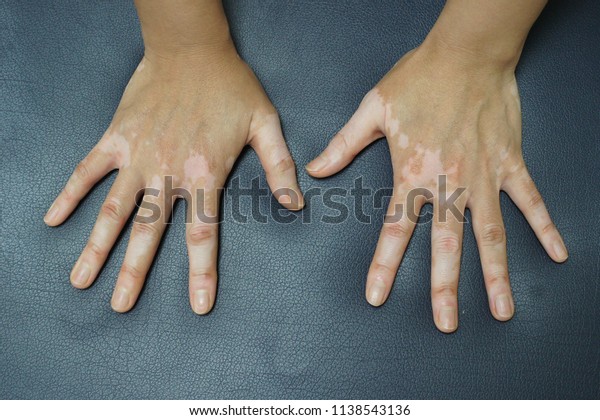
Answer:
(268, 142)
(360, 131)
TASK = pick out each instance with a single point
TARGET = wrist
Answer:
(472, 52)
(183, 28)
(177, 52)
(215, 42)
(193, 64)
(490, 32)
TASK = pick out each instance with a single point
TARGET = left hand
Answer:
(444, 112)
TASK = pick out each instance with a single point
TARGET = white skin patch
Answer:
(155, 183)
(161, 162)
(423, 168)
(514, 168)
(393, 124)
(204, 216)
(514, 91)
(403, 142)
(229, 163)
(141, 66)
(452, 171)
(196, 169)
(117, 145)
(503, 156)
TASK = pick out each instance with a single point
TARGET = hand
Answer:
(446, 113)
(186, 118)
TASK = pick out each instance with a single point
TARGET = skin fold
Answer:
(451, 107)
(186, 114)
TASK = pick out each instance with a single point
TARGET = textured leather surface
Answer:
(291, 320)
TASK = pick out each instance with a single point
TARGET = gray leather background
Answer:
(291, 320)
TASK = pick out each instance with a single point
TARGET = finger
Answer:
(202, 245)
(446, 247)
(360, 131)
(269, 144)
(113, 215)
(149, 225)
(87, 173)
(397, 230)
(491, 242)
(522, 190)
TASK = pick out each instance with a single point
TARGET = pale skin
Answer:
(451, 107)
(190, 108)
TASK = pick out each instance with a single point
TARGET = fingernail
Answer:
(285, 199)
(293, 201)
(503, 306)
(448, 318)
(51, 214)
(201, 302)
(120, 301)
(560, 250)
(376, 294)
(80, 274)
(316, 165)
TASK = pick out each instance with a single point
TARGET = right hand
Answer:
(443, 115)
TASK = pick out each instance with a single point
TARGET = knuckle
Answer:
(132, 271)
(516, 168)
(67, 193)
(112, 209)
(371, 98)
(265, 110)
(270, 113)
(494, 279)
(82, 171)
(447, 244)
(201, 276)
(341, 144)
(493, 234)
(397, 230)
(444, 290)
(284, 164)
(382, 268)
(535, 200)
(548, 227)
(146, 230)
(96, 250)
(199, 234)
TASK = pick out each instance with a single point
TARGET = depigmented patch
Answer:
(403, 142)
(141, 66)
(514, 91)
(452, 171)
(423, 168)
(197, 171)
(162, 163)
(116, 145)
(229, 163)
(392, 124)
(156, 183)
(150, 197)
